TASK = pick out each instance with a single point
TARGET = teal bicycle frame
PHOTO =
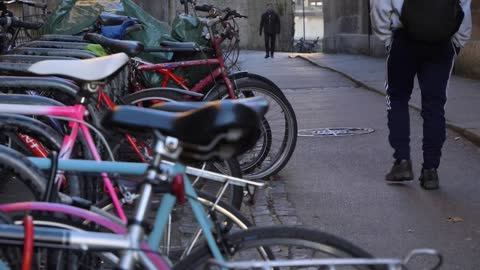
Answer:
(168, 201)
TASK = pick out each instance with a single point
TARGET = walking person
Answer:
(423, 38)
(270, 26)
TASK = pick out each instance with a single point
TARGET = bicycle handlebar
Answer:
(204, 8)
(210, 22)
(233, 13)
(10, 21)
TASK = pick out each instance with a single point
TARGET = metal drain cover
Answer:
(334, 132)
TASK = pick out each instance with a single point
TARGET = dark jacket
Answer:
(270, 23)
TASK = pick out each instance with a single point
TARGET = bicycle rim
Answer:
(279, 130)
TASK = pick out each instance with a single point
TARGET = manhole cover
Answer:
(333, 132)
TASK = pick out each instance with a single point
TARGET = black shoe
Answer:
(429, 179)
(401, 171)
(267, 56)
(271, 55)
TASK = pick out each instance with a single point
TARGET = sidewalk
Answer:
(463, 107)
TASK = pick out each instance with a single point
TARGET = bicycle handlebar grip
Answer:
(94, 38)
(204, 8)
(26, 25)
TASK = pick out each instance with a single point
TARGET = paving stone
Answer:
(289, 220)
(285, 212)
(262, 212)
(263, 219)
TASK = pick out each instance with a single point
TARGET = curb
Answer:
(464, 132)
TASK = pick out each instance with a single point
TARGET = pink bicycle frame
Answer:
(76, 113)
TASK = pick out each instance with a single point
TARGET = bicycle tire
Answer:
(10, 125)
(169, 96)
(53, 258)
(15, 165)
(248, 87)
(262, 237)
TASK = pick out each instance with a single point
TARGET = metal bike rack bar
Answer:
(392, 264)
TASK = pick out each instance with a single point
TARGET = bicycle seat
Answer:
(207, 131)
(131, 48)
(186, 45)
(109, 19)
(95, 69)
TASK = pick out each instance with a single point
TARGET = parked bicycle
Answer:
(67, 229)
(278, 142)
(303, 46)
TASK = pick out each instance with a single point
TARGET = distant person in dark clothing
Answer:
(270, 26)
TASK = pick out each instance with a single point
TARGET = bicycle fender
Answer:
(166, 89)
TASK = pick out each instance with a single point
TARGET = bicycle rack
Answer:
(332, 264)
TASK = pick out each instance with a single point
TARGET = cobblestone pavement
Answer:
(272, 206)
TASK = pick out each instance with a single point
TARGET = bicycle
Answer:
(283, 130)
(279, 127)
(24, 31)
(303, 46)
(238, 116)
(75, 115)
(76, 112)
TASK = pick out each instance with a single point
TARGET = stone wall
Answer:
(347, 31)
(468, 62)
(346, 26)
(249, 34)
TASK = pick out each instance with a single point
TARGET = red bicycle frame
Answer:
(220, 71)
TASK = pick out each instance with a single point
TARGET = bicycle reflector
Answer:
(178, 188)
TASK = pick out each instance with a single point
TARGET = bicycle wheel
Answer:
(17, 132)
(279, 243)
(57, 257)
(20, 177)
(233, 195)
(280, 134)
(185, 232)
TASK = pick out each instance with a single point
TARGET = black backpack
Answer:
(432, 21)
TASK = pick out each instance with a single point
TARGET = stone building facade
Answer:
(347, 30)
